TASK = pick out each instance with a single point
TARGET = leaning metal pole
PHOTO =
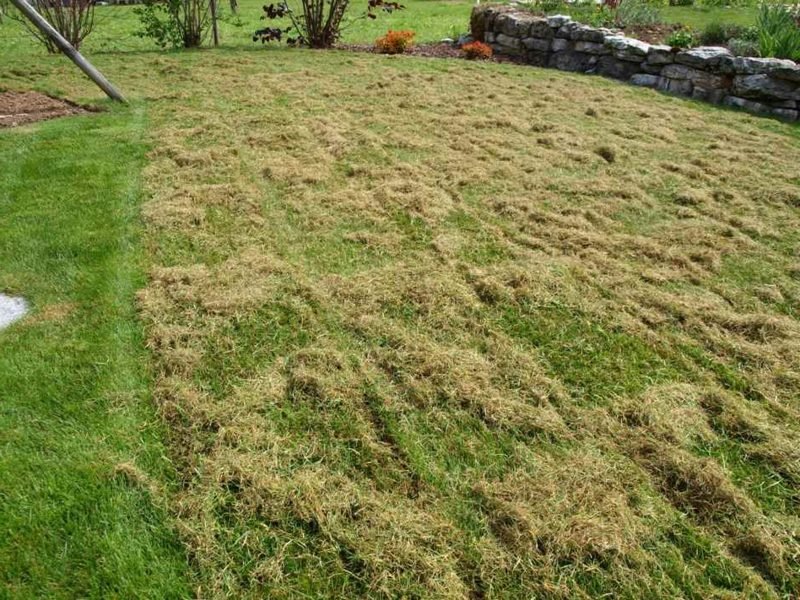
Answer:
(67, 48)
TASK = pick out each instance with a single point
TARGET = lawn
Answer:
(698, 18)
(325, 324)
(79, 437)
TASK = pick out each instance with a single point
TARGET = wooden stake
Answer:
(63, 45)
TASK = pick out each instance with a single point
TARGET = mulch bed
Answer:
(652, 34)
(435, 50)
(19, 108)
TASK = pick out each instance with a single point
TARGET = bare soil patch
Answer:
(20, 108)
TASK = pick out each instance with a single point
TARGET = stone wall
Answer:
(760, 85)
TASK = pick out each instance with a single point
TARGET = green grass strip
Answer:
(74, 386)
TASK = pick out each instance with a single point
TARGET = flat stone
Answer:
(512, 24)
(660, 55)
(696, 76)
(584, 33)
(650, 69)
(509, 42)
(712, 95)
(560, 45)
(788, 72)
(682, 87)
(11, 309)
(572, 61)
(617, 69)
(538, 44)
(540, 28)
(566, 30)
(745, 104)
(645, 80)
(627, 48)
(748, 65)
(557, 21)
(765, 86)
(704, 57)
(786, 113)
(592, 47)
(538, 59)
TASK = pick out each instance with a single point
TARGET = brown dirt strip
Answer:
(20, 108)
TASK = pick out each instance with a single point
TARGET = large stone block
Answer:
(592, 47)
(788, 72)
(646, 67)
(539, 44)
(561, 45)
(748, 65)
(572, 61)
(584, 33)
(660, 55)
(508, 42)
(567, 29)
(712, 95)
(696, 76)
(625, 48)
(512, 25)
(557, 21)
(538, 59)
(645, 80)
(765, 86)
(682, 87)
(704, 57)
(615, 68)
(786, 114)
(746, 104)
(540, 28)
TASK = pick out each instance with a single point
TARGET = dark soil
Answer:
(435, 50)
(652, 34)
(19, 108)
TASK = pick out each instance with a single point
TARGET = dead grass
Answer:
(414, 342)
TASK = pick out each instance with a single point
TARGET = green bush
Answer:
(717, 33)
(741, 47)
(682, 38)
(778, 33)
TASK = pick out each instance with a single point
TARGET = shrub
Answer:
(549, 6)
(73, 19)
(681, 2)
(395, 42)
(682, 38)
(596, 15)
(717, 33)
(778, 32)
(176, 23)
(477, 50)
(319, 23)
(741, 47)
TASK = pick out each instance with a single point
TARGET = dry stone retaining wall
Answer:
(760, 85)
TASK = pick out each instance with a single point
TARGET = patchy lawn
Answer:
(440, 329)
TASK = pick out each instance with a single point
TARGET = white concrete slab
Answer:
(11, 309)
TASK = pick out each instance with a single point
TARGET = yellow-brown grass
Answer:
(436, 329)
